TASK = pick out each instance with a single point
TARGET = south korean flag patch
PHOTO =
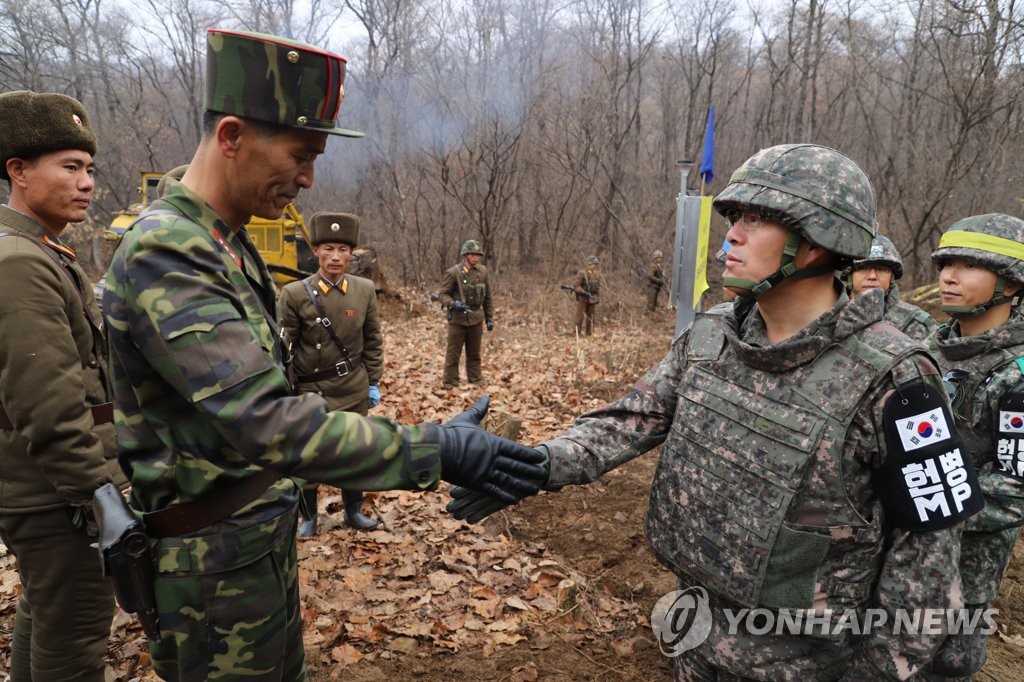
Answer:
(927, 481)
(1010, 436)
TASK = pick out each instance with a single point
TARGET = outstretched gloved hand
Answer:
(474, 458)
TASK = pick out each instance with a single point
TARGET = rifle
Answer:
(590, 297)
(126, 557)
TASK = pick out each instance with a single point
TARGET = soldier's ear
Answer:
(229, 134)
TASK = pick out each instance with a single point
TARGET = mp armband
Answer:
(1010, 437)
(928, 481)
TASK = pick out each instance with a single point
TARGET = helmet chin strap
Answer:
(787, 270)
(999, 297)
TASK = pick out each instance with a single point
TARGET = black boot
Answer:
(354, 516)
(307, 527)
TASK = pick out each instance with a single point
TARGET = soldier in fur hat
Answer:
(331, 321)
(56, 436)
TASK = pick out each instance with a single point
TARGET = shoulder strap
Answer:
(324, 320)
(62, 267)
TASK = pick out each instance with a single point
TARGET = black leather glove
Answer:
(490, 325)
(469, 505)
(473, 458)
(460, 307)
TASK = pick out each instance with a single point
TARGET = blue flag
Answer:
(707, 162)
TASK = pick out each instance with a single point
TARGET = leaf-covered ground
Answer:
(559, 588)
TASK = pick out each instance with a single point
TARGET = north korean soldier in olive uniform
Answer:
(587, 286)
(879, 270)
(465, 293)
(655, 281)
(981, 272)
(56, 436)
(331, 321)
(210, 431)
(789, 478)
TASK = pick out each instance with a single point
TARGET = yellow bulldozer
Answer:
(283, 243)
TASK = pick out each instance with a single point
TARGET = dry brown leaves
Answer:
(423, 581)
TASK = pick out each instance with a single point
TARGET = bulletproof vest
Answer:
(591, 285)
(748, 498)
(473, 294)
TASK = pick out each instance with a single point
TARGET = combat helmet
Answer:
(471, 246)
(818, 193)
(591, 260)
(657, 254)
(994, 241)
(883, 252)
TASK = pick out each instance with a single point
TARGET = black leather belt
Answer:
(101, 414)
(343, 368)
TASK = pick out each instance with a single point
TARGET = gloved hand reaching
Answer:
(488, 464)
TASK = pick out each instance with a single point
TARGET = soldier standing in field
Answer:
(880, 270)
(465, 294)
(586, 286)
(981, 272)
(789, 478)
(655, 281)
(56, 432)
(211, 434)
(331, 321)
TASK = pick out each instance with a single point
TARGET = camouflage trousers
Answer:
(63, 617)
(470, 336)
(235, 624)
(691, 667)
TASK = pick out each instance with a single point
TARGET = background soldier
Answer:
(587, 287)
(655, 281)
(211, 433)
(786, 479)
(465, 293)
(56, 436)
(332, 323)
(879, 271)
(981, 270)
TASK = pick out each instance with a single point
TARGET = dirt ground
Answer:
(592, 534)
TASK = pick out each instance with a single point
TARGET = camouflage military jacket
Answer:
(53, 367)
(860, 561)
(201, 394)
(472, 286)
(982, 370)
(909, 319)
(351, 306)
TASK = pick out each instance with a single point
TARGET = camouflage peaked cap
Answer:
(471, 246)
(591, 260)
(340, 228)
(33, 123)
(816, 191)
(275, 80)
(995, 240)
(883, 252)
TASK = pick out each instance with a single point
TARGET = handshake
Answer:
(489, 472)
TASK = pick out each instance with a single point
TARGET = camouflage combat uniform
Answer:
(983, 371)
(472, 286)
(203, 404)
(726, 403)
(909, 319)
(57, 440)
(587, 287)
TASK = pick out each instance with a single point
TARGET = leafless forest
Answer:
(550, 130)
